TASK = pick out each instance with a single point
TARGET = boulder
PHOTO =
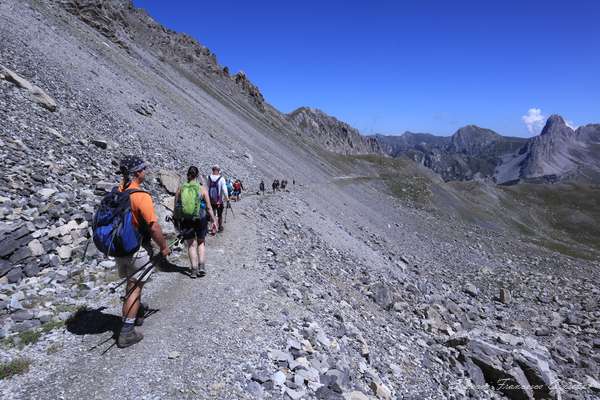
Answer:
(37, 94)
(169, 180)
(15, 275)
(382, 295)
(36, 248)
(5, 266)
(542, 379)
(101, 143)
(505, 296)
(471, 290)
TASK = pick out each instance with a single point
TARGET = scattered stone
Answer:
(36, 248)
(103, 144)
(278, 378)
(174, 354)
(471, 290)
(37, 94)
(505, 296)
(64, 252)
(382, 295)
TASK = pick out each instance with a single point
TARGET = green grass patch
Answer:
(15, 367)
(51, 325)
(29, 337)
(65, 308)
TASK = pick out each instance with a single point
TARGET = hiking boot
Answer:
(129, 338)
(194, 273)
(202, 270)
(141, 314)
(221, 228)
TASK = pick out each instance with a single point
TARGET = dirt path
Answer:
(211, 322)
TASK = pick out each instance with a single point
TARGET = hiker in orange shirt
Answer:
(133, 170)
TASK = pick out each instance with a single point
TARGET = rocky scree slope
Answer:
(436, 308)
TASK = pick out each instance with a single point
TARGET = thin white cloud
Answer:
(534, 120)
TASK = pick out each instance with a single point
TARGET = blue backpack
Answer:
(113, 230)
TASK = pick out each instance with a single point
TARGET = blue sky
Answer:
(424, 66)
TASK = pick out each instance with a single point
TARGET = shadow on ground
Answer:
(167, 266)
(89, 321)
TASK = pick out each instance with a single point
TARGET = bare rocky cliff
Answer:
(331, 133)
(559, 152)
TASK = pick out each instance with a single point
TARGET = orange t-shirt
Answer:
(142, 207)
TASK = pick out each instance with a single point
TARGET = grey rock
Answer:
(382, 295)
(25, 325)
(255, 390)
(15, 275)
(471, 290)
(505, 296)
(5, 266)
(542, 379)
(169, 180)
(31, 270)
(278, 378)
(101, 143)
(21, 315)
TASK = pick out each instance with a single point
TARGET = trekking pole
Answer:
(152, 259)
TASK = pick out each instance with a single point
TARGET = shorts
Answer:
(194, 229)
(128, 265)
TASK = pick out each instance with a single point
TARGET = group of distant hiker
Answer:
(126, 222)
(276, 185)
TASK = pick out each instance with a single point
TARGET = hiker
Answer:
(217, 191)
(237, 190)
(262, 187)
(283, 183)
(274, 185)
(229, 184)
(192, 204)
(133, 170)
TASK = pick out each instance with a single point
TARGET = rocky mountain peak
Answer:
(471, 139)
(555, 124)
(333, 134)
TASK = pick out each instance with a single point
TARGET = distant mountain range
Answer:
(558, 153)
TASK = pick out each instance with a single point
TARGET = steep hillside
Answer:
(369, 278)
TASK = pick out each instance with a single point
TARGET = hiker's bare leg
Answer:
(202, 252)
(132, 303)
(192, 253)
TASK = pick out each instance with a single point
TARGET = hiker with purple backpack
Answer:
(218, 194)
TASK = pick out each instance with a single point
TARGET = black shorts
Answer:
(194, 229)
